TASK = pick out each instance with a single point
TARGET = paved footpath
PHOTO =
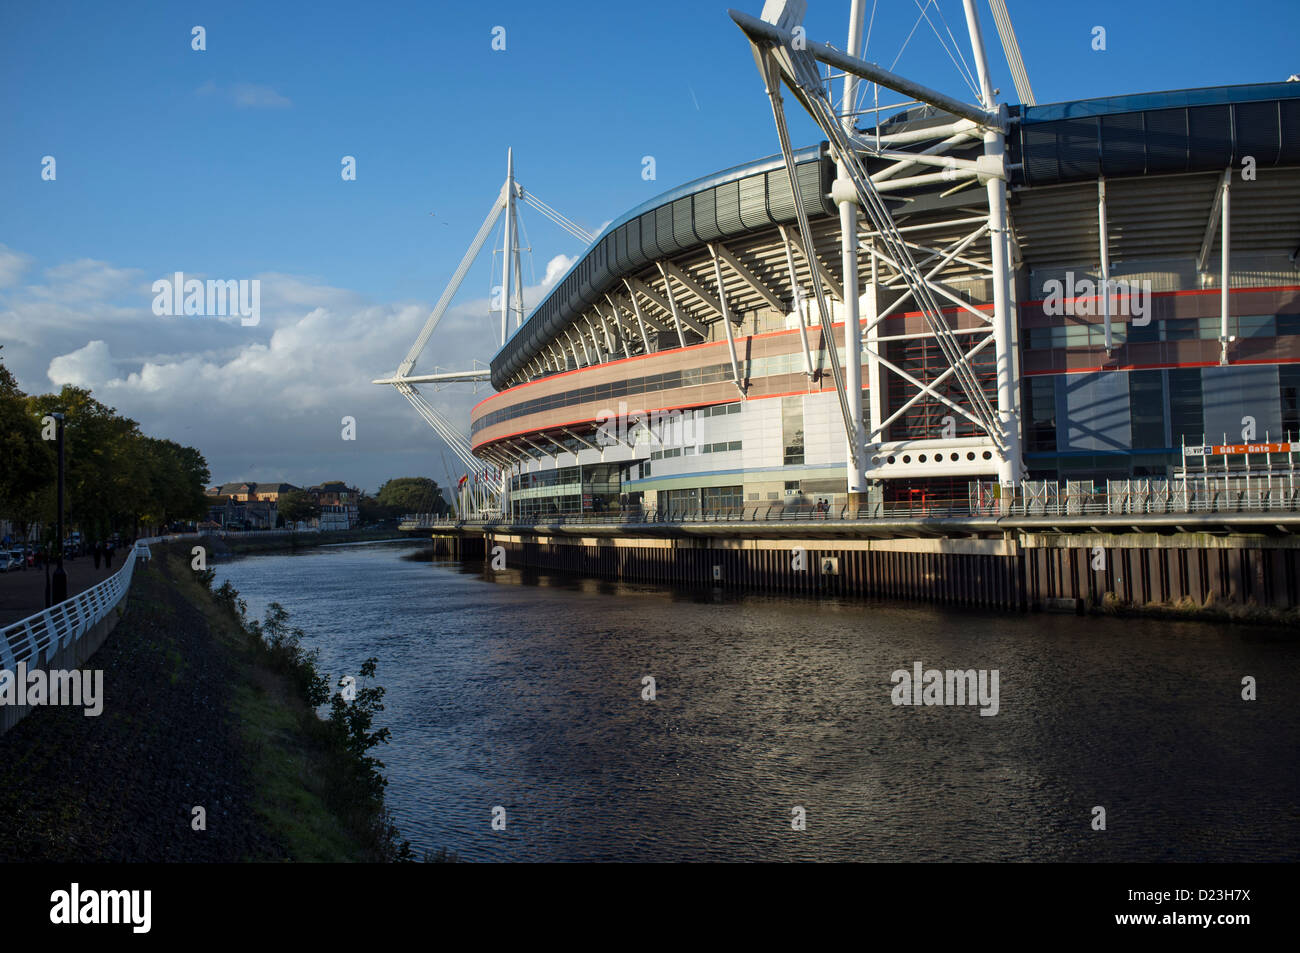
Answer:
(121, 786)
(22, 592)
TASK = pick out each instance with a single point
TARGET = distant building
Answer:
(236, 491)
(236, 514)
(339, 504)
(255, 505)
(271, 492)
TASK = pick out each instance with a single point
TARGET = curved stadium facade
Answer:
(681, 362)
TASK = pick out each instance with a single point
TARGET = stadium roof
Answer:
(1172, 132)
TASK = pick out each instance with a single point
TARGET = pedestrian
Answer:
(98, 552)
(108, 556)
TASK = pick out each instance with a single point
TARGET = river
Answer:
(525, 692)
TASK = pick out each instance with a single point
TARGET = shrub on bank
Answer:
(355, 788)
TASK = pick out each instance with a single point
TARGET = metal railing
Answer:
(1147, 497)
(38, 637)
(255, 533)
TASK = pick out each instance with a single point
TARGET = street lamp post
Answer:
(60, 587)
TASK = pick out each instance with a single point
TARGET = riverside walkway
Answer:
(22, 591)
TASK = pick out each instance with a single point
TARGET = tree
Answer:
(176, 478)
(116, 477)
(296, 506)
(370, 510)
(412, 495)
(28, 461)
(106, 472)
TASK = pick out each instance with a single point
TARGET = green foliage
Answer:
(28, 460)
(287, 656)
(411, 495)
(352, 725)
(356, 784)
(116, 477)
(353, 720)
(227, 597)
(297, 505)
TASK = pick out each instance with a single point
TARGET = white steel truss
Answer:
(479, 474)
(786, 57)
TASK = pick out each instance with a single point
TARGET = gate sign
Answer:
(1237, 449)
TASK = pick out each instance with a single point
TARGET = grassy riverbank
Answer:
(200, 710)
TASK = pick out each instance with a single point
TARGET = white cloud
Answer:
(556, 268)
(85, 280)
(264, 402)
(253, 96)
(246, 95)
(12, 266)
(89, 366)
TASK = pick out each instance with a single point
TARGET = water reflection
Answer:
(523, 689)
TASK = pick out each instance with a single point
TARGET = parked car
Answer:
(11, 560)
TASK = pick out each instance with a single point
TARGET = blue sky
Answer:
(225, 163)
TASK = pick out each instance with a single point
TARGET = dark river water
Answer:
(525, 692)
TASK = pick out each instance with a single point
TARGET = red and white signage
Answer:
(1239, 449)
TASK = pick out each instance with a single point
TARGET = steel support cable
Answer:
(919, 286)
(448, 434)
(964, 68)
(559, 218)
(860, 90)
(1011, 46)
(805, 232)
(887, 229)
(947, 255)
(453, 286)
(456, 441)
(812, 97)
(807, 88)
(907, 41)
(439, 426)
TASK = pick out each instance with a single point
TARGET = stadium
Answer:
(1049, 296)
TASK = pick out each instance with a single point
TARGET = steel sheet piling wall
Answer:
(1021, 571)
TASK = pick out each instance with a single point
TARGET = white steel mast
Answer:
(1010, 462)
(404, 379)
(508, 249)
(846, 195)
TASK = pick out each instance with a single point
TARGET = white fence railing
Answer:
(38, 637)
(256, 533)
(1153, 497)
